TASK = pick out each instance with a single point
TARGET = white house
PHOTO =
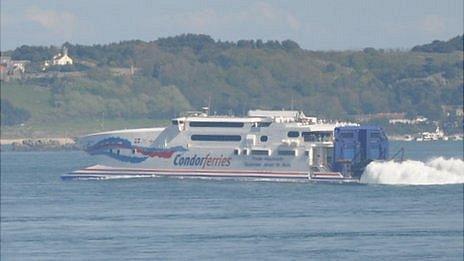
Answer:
(62, 59)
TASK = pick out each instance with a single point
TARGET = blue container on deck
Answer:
(357, 146)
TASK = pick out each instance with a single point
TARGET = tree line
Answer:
(186, 71)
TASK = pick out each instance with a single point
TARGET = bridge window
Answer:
(216, 124)
(316, 136)
(175, 122)
(216, 137)
(293, 134)
(375, 135)
(260, 152)
(286, 153)
(237, 152)
(263, 138)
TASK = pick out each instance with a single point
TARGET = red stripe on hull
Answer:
(110, 169)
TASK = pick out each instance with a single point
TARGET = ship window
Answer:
(264, 124)
(317, 136)
(308, 136)
(260, 152)
(263, 138)
(293, 134)
(216, 137)
(286, 153)
(133, 151)
(329, 155)
(307, 153)
(245, 152)
(237, 152)
(175, 122)
(216, 124)
(347, 135)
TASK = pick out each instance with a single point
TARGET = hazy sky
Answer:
(316, 25)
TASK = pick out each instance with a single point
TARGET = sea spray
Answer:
(436, 171)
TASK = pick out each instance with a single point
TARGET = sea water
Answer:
(45, 218)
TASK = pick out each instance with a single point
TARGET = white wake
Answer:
(437, 171)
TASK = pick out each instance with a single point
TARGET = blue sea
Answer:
(45, 218)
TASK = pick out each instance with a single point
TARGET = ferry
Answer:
(264, 144)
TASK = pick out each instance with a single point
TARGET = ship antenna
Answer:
(209, 104)
(102, 122)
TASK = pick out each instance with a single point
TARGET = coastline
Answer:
(66, 143)
(38, 144)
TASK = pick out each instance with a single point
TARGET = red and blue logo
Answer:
(111, 147)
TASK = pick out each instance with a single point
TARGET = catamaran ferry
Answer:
(264, 144)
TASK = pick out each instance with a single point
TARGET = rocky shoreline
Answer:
(38, 144)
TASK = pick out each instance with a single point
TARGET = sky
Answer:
(314, 24)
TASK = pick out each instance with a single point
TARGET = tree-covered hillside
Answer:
(185, 72)
(453, 44)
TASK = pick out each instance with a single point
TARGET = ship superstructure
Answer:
(263, 144)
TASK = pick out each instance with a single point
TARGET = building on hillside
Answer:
(4, 67)
(12, 68)
(3, 71)
(417, 120)
(60, 59)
